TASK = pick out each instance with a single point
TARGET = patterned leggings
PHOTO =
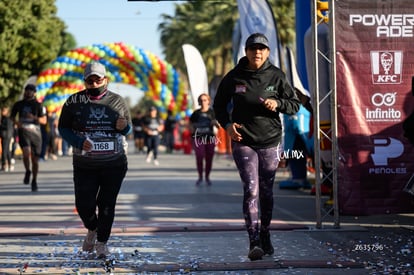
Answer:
(257, 169)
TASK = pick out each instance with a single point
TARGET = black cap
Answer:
(30, 87)
(257, 38)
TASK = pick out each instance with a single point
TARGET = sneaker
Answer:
(89, 241)
(102, 250)
(156, 163)
(27, 177)
(306, 184)
(34, 186)
(266, 243)
(289, 184)
(325, 190)
(198, 182)
(208, 181)
(148, 159)
(255, 252)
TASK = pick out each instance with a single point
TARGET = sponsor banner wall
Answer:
(375, 64)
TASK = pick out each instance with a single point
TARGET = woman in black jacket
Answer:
(257, 92)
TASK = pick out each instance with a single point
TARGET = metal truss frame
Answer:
(325, 212)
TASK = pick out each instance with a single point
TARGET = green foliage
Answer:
(284, 12)
(68, 43)
(208, 25)
(31, 35)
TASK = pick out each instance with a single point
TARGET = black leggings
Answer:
(5, 153)
(98, 188)
(257, 169)
(152, 145)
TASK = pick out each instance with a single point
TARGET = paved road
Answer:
(167, 225)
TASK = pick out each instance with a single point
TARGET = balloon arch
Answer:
(125, 64)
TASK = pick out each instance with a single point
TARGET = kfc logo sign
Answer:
(386, 67)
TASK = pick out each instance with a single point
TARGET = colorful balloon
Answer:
(125, 64)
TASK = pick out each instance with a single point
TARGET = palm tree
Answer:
(208, 25)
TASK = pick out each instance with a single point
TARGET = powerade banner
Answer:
(374, 67)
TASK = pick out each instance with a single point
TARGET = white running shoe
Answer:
(149, 156)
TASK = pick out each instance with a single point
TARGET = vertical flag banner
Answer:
(374, 67)
(196, 71)
(257, 16)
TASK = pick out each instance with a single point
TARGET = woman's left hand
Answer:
(270, 104)
(215, 123)
(121, 123)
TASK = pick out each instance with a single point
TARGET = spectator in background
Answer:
(139, 135)
(6, 135)
(169, 127)
(52, 132)
(153, 126)
(299, 147)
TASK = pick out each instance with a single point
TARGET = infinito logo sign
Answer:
(387, 99)
(383, 110)
(385, 149)
(386, 67)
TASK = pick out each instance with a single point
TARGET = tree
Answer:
(68, 43)
(31, 35)
(208, 25)
(205, 24)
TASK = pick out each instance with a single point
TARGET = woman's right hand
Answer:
(87, 145)
(233, 133)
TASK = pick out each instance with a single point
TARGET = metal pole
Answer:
(334, 114)
(316, 119)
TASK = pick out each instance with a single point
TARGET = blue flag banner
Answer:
(257, 16)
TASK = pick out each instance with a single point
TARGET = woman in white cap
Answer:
(258, 92)
(95, 122)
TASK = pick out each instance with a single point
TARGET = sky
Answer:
(130, 22)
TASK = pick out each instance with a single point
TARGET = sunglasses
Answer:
(98, 81)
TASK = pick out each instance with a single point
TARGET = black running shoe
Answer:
(34, 186)
(27, 177)
(255, 252)
(266, 243)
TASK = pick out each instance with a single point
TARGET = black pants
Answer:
(98, 188)
(5, 153)
(152, 145)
